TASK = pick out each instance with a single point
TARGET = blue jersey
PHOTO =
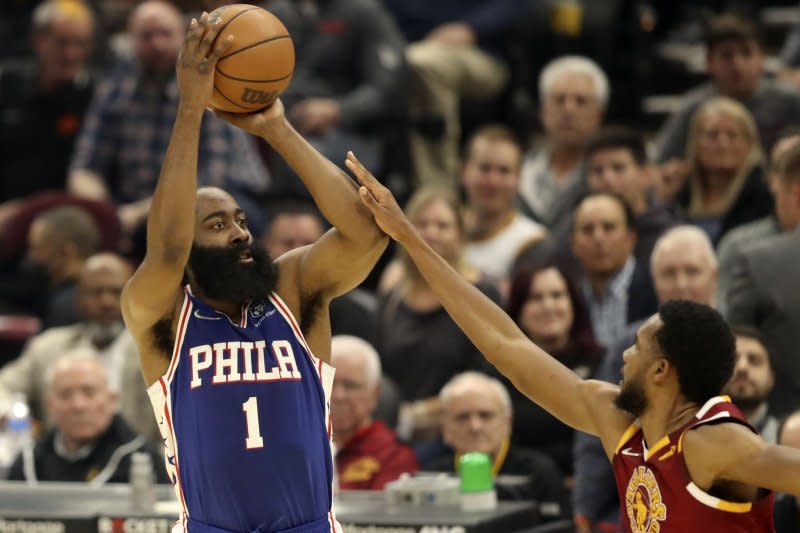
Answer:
(244, 413)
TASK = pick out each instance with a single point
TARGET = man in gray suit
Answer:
(765, 288)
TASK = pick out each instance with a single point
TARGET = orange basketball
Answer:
(258, 65)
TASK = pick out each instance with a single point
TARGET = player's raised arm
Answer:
(151, 294)
(584, 405)
(342, 258)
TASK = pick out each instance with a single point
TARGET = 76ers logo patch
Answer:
(643, 502)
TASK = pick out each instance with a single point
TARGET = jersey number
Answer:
(253, 440)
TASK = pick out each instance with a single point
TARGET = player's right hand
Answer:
(380, 200)
(197, 60)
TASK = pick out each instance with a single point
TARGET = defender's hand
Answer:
(380, 200)
(196, 61)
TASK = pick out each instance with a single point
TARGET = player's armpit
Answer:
(151, 294)
(606, 420)
(732, 452)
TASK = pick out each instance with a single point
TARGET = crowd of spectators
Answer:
(516, 134)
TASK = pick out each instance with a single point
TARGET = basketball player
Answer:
(685, 458)
(237, 359)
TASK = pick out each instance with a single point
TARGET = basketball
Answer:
(258, 65)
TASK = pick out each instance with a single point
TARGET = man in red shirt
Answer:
(369, 455)
(684, 457)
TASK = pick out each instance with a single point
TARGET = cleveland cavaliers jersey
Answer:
(657, 495)
(244, 413)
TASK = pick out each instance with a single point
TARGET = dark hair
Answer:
(493, 133)
(618, 137)
(295, 208)
(582, 344)
(748, 331)
(731, 27)
(697, 341)
(72, 224)
(630, 218)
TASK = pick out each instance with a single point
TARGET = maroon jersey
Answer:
(657, 495)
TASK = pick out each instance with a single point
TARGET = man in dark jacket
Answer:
(476, 417)
(89, 443)
(348, 79)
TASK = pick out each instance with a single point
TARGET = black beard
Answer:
(747, 403)
(631, 399)
(220, 274)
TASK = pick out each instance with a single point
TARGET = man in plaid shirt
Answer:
(125, 134)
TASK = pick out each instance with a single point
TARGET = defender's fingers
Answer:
(368, 200)
(364, 176)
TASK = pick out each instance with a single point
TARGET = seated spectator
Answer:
(735, 62)
(551, 312)
(420, 345)
(89, 442)
(454, 52)
(764, 287)
(368, 454)
(349, 80)
(43, 102)
(100, 330)
(752, 381)
(294, 225)
(573, 95)
(60, 240)
(122, 143)
(476, 417)
(683, 266)
(497, 232)
(787, 508)
(616, 163)
(726, 186)
(784, 219)
(616, 287)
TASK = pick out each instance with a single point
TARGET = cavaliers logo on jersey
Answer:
(643, 502)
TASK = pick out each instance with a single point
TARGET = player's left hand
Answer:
(259, 123)
(380, 200)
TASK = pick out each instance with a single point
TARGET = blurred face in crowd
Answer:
(547, 314)
(475, 419)
(80, 401)
(786, 191)
(292, 230)
(438, 225)
(601, 239)
(157, 31)
(63, 47)
(752, 378)
(614, 170)
(722, 143)
(683, 269)
(570, 111)
(736, 67)
(354, 397)
(99, 287)
(490, 176)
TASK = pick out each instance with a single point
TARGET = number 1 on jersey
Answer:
(253, 440)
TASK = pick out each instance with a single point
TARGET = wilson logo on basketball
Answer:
(254, 96)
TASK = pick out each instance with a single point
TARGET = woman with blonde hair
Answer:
(727, 186)
(421, 347)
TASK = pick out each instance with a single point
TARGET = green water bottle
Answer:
(477, 483)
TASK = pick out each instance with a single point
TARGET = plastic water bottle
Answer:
(141, 480)
(477, 483)
(18, 436)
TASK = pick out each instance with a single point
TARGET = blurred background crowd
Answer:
(578, 161)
